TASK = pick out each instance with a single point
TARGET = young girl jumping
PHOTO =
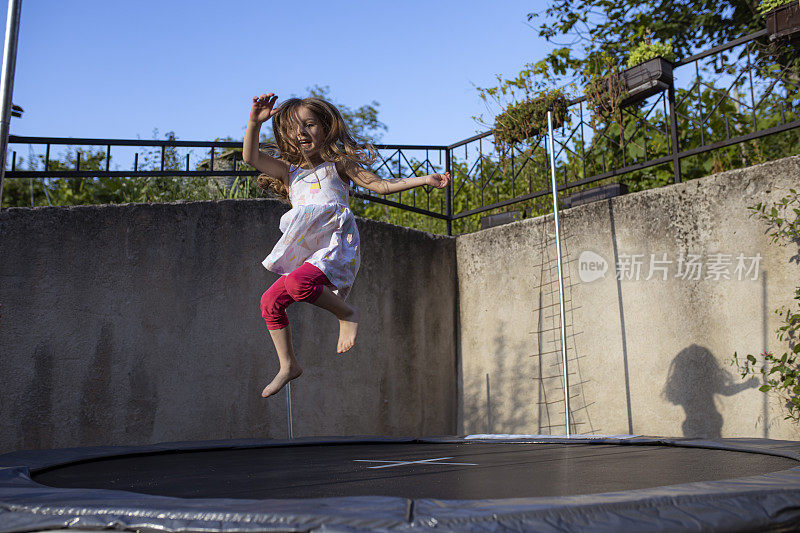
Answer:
(319, 253)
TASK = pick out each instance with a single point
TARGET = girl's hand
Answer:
(439, 181)
(262, 108)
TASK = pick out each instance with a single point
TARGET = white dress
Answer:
(319, 228)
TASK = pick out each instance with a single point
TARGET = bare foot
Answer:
(283, 377)
(348, 327)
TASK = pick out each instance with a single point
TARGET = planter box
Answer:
(784, 22)
(501, 218)
(559, 115)
(646, 79)
(558, 121)
(641, 81)
(604, 192)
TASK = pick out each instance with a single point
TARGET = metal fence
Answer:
(702, 120)
(725, 97)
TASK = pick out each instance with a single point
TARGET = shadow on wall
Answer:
(519, 387)
(694, 378)
(494, 403)
(498, 400)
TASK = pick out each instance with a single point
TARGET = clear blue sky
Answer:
(113, 69)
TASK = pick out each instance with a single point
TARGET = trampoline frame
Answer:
(767, 502)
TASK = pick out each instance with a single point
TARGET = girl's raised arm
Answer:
(373, 182)
(262, 111)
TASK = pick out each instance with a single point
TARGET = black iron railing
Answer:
(718, 100)
(736, 94)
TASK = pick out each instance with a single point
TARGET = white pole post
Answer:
(560, 275)
(7, 83)
(289, 409)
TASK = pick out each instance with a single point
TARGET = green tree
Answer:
(614, 27)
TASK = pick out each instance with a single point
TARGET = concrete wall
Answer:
(645, 356)
(140, 323)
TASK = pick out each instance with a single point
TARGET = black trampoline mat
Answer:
(410, 470)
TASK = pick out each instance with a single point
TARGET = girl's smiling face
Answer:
(310, 134)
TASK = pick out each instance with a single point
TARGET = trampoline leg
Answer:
(289, 409)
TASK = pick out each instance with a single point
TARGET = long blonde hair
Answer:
(339, 144)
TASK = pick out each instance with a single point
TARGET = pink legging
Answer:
(303, 284)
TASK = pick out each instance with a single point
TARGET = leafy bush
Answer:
(646, 51)
(781, 373)
(769, 5)
(523, 103)
(527, 118)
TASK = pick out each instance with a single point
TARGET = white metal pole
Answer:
(289, 409)
(7, 83)
(560, 275)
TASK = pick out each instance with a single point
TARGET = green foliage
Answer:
(646, 51)
(781, 373)
(783, 229)
(523, 102)
(769, 5)
(529, 117)
(604, 88)
(106, 190)
(600, 25)
(601, 34)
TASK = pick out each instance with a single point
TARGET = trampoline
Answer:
(475, 483)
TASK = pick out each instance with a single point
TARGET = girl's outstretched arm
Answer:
(262, 111)
(373, 182)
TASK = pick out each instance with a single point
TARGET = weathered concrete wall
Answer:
(645, 356)
(141, 323)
